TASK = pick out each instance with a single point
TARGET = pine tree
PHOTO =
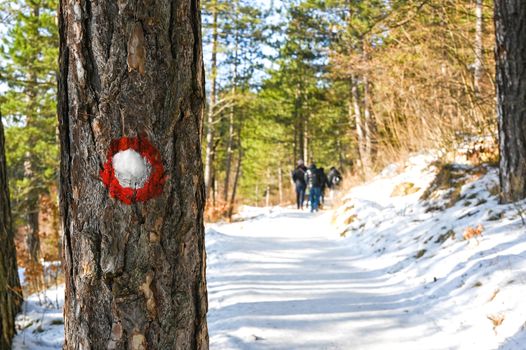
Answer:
(510, 25)
(133, 246)
(10, 292)
(29, 52)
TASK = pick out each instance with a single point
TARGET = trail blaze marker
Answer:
(133, 171)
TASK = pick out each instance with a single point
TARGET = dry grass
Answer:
(473, 232)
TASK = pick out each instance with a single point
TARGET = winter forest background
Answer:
(355, 84)
(351, 84)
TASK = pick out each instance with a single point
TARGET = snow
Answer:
(40, 325)
(284, 279)
(131, 169)
(378, 272)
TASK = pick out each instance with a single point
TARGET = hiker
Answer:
(298, 177)
(334, 178)
(323, 184)
(312, 178)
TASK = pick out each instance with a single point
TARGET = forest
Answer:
(220, 100)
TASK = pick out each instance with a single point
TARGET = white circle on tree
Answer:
(131, 169)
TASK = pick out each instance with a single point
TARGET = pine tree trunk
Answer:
(510, 55)
(477, 66)
(10, 292)
(32, 200)
(368, 127)
(32, 211)
(356, 114)
(280, 185)
(210, 131)
(236, 182)
(300, 124)
(229, 151)
(131, 73)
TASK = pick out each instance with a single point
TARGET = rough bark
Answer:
(10, 292)
(135, 274)
(510, 55)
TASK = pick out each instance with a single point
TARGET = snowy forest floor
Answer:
(378, 272)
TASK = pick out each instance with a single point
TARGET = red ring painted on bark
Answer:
(153, 187)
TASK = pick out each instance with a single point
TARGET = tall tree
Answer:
(214, 8)
(10, 292)
(131, 98)
(510, 55)
(479, 48)
(30, 51)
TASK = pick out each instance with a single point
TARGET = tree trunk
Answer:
(229, 151)
(300, 123)
(10, 292)
(354, 111)
(280, 185)
(477, 66)
(131, 88)
(267, 190)
(32, 211)
(368, 126)
(510, 55)
(236, 181)
(32, 202)
(231, 118)
(210, 131)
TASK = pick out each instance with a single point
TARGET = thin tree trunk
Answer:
(236, 181)
(300, 124)
(32, 201)
(32, 212)
(257, 195)
(267, 190)
(210, 131)
(10, 292)
(132, 78)
(368, 126)
(306, 153)
(477, 74)
(354, 110)
(229, 151)
(280, 185)
(510, 55)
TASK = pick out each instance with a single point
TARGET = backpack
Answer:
(313, 177)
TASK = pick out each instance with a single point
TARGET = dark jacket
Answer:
(298, 176)
(312, 177)
(334, 178)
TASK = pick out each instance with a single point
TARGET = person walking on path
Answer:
(312, 178)
(298, 177)
(323, 184)
(334, 179)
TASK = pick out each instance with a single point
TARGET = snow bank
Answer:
(471, 290)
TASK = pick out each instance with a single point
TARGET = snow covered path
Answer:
(287, 281)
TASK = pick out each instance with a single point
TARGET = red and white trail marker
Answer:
(133, 171)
